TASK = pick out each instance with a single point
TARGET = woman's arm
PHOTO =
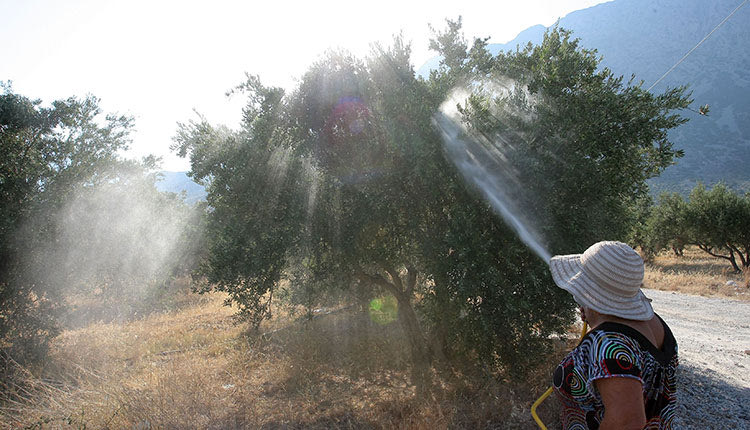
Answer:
(623, 403)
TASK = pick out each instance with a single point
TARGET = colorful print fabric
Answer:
(614, 350)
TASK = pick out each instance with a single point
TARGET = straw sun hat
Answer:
(607, 278)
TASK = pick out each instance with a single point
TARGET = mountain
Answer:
(178, 182)
(533, 35)
(646, 38)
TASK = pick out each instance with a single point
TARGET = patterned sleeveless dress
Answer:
(614, 350)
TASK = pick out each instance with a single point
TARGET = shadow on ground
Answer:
(688, 266)
(707, 402)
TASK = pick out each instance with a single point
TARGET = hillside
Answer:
(646, 38)
(178, 182)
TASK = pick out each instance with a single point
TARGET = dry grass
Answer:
(97, 374)
(193, 368)
(696, 273)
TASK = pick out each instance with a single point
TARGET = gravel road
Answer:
(713, 337)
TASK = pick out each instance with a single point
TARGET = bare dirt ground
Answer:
(713, 337)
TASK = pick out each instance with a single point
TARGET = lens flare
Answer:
(383, 310)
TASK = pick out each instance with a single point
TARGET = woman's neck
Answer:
(594, 318)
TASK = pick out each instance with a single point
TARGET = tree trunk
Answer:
(744, 262)
(709, 250)
(407, 318)
(439, 338)
(420, 355)
(733, 260)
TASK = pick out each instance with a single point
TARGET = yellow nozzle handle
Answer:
(537, 403)
(549, 390)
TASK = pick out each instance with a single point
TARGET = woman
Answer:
(622, 374)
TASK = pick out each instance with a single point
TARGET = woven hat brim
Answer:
(567, 272)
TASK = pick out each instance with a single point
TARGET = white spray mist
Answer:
(115, 246)
(484, 162)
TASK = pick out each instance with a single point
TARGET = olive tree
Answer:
(342, 185)
(584, 139)
(717, 221)
(667, 224)
(47, 153)
(76, 218)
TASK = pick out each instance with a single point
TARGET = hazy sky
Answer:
(160, 60)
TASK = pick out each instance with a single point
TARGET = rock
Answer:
(731, 284)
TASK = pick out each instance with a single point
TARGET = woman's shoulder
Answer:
(611, 338)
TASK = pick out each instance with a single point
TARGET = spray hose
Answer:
(549, 390)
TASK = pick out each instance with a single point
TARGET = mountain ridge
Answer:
(179, 182)
(644, 39)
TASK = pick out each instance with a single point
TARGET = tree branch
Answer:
(411, 280)
(377, 280)
(737, 249)
(709, 250)
(395, 278)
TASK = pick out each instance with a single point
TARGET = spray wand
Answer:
(549, 390)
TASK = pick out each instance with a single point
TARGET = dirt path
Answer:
(713, 337)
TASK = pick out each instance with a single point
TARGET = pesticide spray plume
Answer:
(114, 249)
(486, 162)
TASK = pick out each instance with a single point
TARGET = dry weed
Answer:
(695, 273)
(191, 367)
(194, 369)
